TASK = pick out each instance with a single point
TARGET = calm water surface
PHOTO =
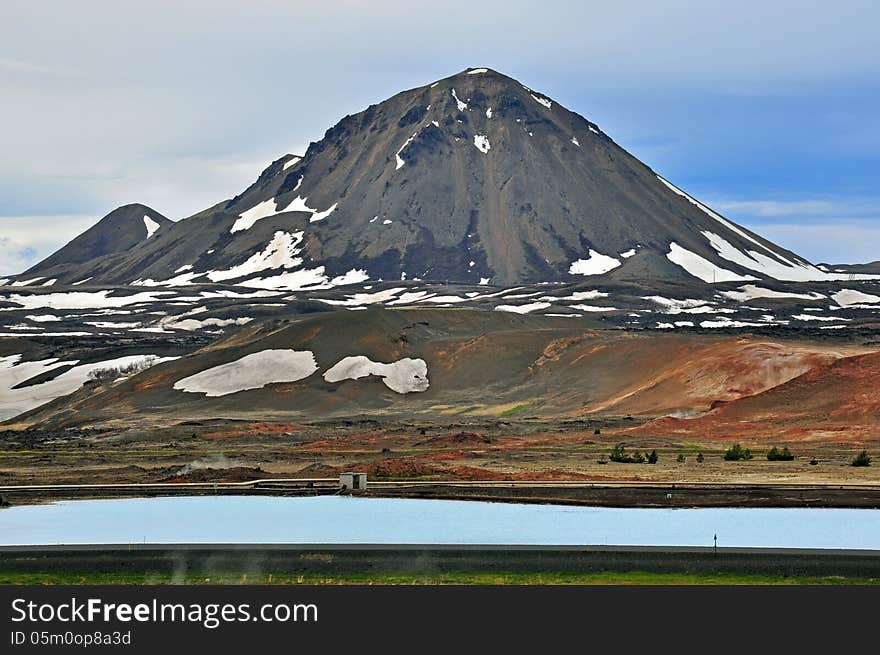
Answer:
(334, 519)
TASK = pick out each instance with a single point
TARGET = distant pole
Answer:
(715, 547)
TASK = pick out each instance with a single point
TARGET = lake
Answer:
(339, 520)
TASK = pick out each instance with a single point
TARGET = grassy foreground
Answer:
(456, 578)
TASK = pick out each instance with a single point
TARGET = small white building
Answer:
(353, 481)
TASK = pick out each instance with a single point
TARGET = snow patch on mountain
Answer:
(280, 252)
(595, 264)
(252, 371)
(849, 297)
(701, 267)
(403, 376)
(151, 226)
(461, 105)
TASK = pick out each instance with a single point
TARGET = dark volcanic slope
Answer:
(119, 231)
(474, 177)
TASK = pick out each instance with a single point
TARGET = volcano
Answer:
(473, 179)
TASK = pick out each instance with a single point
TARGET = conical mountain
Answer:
(473, 178)
(118, 232)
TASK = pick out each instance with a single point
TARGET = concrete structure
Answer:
(353, 481)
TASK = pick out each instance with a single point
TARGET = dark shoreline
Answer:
(598, 495)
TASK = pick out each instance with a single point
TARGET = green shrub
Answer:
(862, 459)
(736, 452)
(776, 455)
(652, 458)
(700, 457)
(619, 455)
(680, 459)
(814, 461)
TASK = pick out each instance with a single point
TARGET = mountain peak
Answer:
(474, 178)
(117, 232)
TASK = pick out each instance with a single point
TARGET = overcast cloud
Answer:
(768, 107)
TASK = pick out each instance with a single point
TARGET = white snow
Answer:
(813, 317)
(752, 291)
(358, 299)
(403, 376)
(411, 297)
(269, 208)
(595, 264)
(471, 264)
(484, 281)
(76, 284)
(725, 322)
(760, 263)
(488, 112)
(184, 268)
(82, 299)
(49, 283)
(280, 252)
(298, 204)
(299, 182)
(44, 318)
(249, 217)
(702, 268)
(481, 141)
(593, 308)
(313, 278)
(523, 309)
(14, 372)
(27, 283)
(849, 297)
(591, 294)
(575, 141)
(543, 101)
(3, 281)
(629, 253)
(191, 324)
(320, 216)
(449, 300)
(400, 161)
(477, 70)
(176, 281)
(353, 276)
(387, 221)
(151, 226)
(373, 220)
(687, 305)
(252, 371)
(435, 123)
(461, 105)
(720, 219)
(592, 129)
(291, 162)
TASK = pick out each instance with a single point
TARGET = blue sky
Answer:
(767, 110)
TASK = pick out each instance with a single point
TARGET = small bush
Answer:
(111, 373)
(680, 459)
(776, 455)
(814, 461)
(652, 458)
(736, 453)
(700, 457)
(862, 459)
(619, 455)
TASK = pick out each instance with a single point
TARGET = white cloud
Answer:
(25, 240)
(848, 207)
(837, 242)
